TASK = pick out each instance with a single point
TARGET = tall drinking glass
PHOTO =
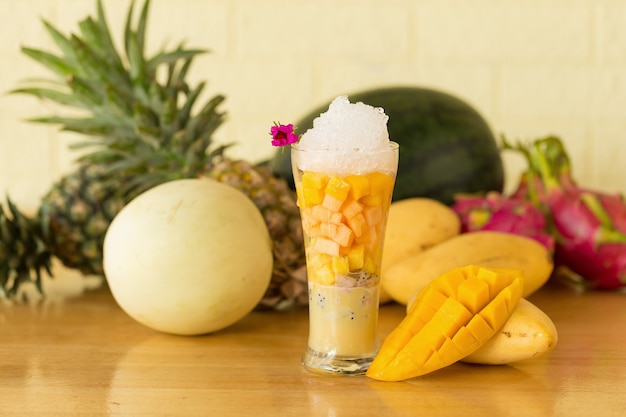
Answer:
(344, 199)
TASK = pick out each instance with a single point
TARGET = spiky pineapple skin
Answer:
(277, 203)
(76, 213)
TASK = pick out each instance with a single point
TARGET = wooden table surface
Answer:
(87, 357)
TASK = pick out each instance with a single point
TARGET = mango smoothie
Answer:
(344, 193)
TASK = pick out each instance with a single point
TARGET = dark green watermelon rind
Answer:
(446, 146)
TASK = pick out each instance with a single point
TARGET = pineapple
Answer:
(88, 198)
(24, 254)
(139, 116)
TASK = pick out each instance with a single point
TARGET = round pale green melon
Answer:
(188, 257)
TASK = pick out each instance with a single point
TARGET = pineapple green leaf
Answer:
(23, 252)
(128, 27)
(142, 26)
(86, 91)
(89, 64)
(134, 41)
(137, 65)
(63, 43)
(184, 113)
(173, 57)
(56, 96)
(106, 40)
(207, 120)
(145, 116)
(180, 75)
(94, 66)
(87, 126)
(52, 62)
(120, 100)
(91, 35)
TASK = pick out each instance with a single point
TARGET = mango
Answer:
(414, 225)
(448, 321)
(484, 248)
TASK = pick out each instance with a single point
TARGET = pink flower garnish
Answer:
(283, 135)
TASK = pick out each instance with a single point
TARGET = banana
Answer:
(483, 248)
(414, 225)
(528, 333)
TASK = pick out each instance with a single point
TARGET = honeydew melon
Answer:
(188, 257)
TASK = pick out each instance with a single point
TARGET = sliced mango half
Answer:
(451, 318)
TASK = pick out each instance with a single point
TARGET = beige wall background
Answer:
(531, 67)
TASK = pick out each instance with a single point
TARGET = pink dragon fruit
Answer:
(589, 226)
(494, 211)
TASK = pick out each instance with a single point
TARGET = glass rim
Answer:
(392, 147)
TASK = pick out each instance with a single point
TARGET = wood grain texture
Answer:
(87, 357)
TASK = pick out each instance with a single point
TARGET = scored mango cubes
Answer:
(450, 319)
(343, 219)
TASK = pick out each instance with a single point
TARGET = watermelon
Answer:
(446, 146)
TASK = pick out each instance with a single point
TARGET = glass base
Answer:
(329, 364)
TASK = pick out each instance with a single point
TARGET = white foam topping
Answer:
(347, 138)
(347, 126)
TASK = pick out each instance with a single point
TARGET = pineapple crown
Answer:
(135, 121)
(23, 251)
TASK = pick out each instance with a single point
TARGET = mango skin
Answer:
(483, 248)
(414, 225)
(527, 334)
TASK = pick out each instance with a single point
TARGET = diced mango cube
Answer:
(341, 265)
(351, 208)
(359, 186)
(430, 297)
(343, 235)
(328, 230)
(369, 235)
(322, 214)
(480, 329)
(432, 334)
(416, 356)
(463, 337)
(319, 261)
(450, 352)
(449, 286)
(315, 231)
(373, 215)
(493, 311)
(357, 224)
(314, 180)
(337, 188)
(331, 203)
(373, 200)
(454, 315)
(473, 293)
(327, 246)
(381, 188)
(492, 279)
(311, 197)
(323, 275)
(380, 183)
(356, 257)
(308, 220)
(370, 264)
(300, 195)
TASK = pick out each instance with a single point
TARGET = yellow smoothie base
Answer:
(342, 328)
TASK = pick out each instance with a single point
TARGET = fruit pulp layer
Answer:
(343, 320)
(343, 220)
